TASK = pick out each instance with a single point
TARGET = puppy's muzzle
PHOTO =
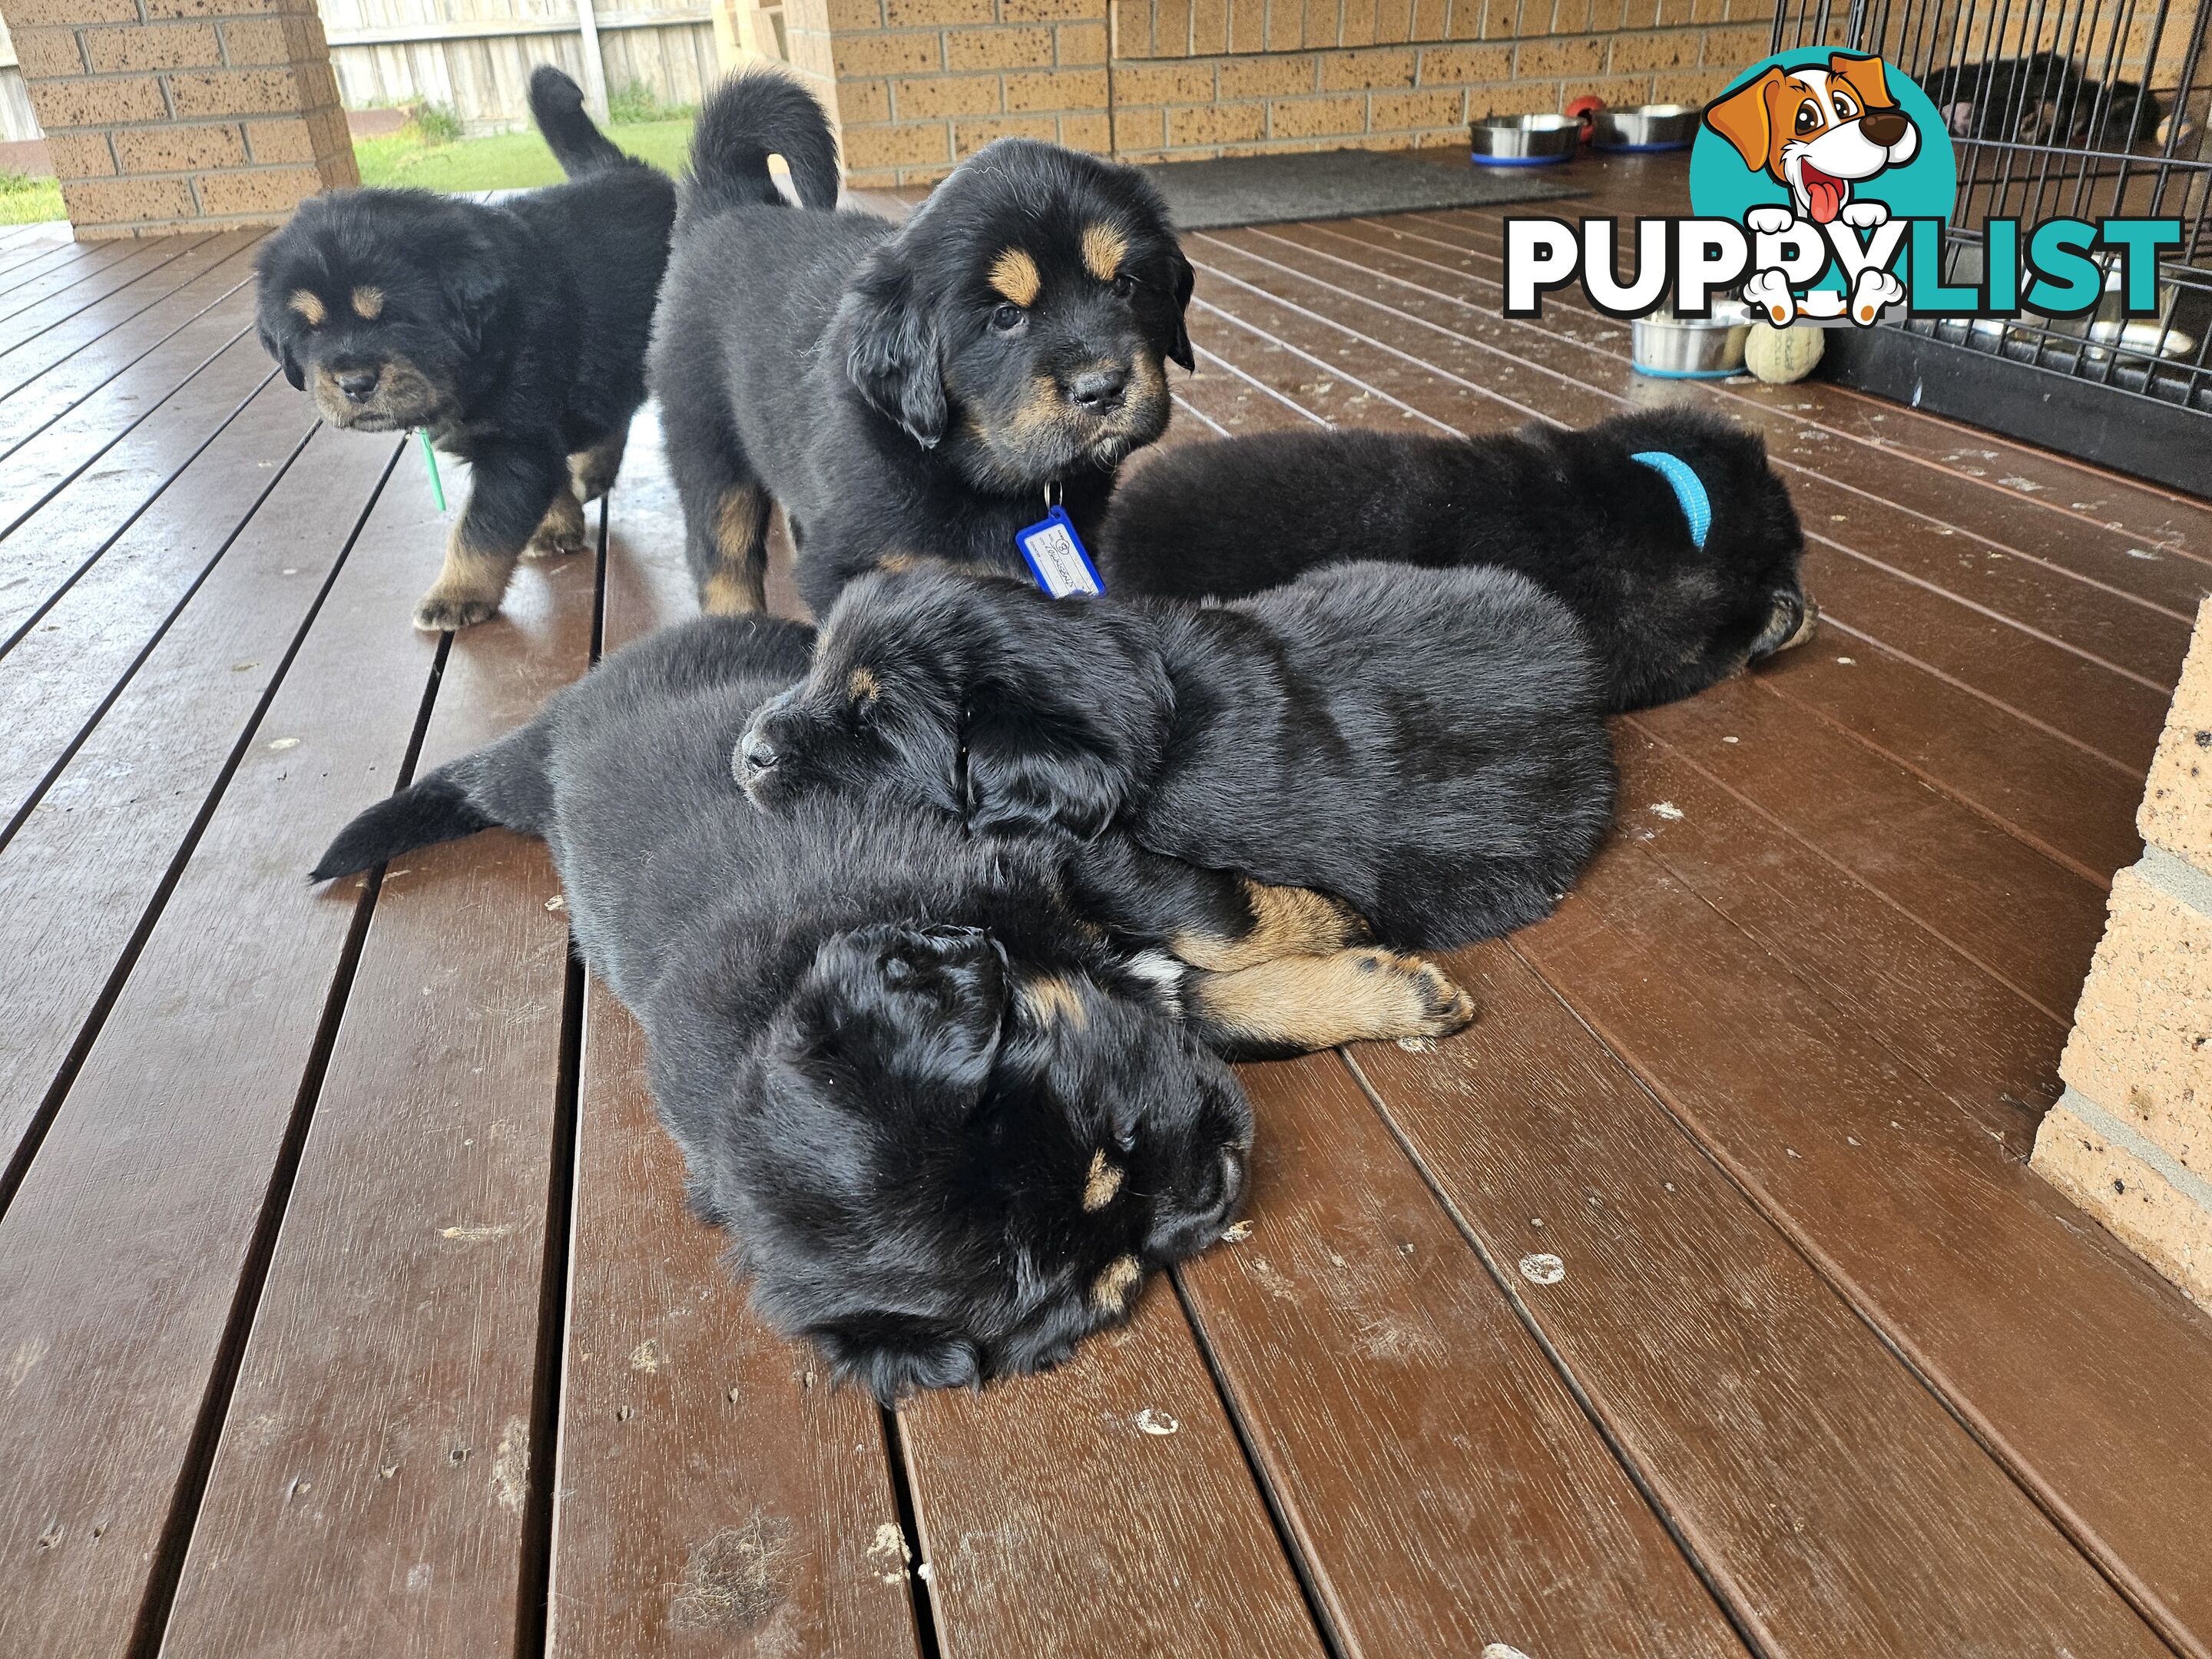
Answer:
(359, 385)
(1182, 1228)
(1099, 391)
(1796, 616)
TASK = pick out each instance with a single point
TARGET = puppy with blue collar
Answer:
(1664, 530)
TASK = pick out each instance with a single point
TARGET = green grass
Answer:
(506, 161)
(428, 155)
(25, 200)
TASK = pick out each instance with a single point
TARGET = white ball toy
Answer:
(1780, 356)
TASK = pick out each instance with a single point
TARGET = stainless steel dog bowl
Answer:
(1683, 348)
(1524, 141)
(1644, 126)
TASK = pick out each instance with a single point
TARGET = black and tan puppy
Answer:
(1682, 573)
(919, 386)
(515, 333)
(1426, 747)
(950, 1122)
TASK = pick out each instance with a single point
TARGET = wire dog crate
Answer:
(2086, 109)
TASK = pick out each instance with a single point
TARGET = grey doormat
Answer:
(1265, 190)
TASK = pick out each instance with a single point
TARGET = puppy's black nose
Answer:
(1883, 126)
(1099, 390)
(358, 383)
(760, 756)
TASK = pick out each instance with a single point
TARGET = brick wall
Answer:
(167, 115)
(2130, 1140)
(1195, 78)
(922, 82)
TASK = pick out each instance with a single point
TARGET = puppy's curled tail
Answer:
(503, 783)
(556, 105)
(751, 117)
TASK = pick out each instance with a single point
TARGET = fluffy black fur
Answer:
(515, 333)
(948, 1127)
(2045, 98)
(880, 381)
(1567, 509)
(1427, 746)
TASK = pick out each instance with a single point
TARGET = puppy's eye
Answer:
(1124, 285)
(1809, 117)
(1845, 109)
(1008, 317)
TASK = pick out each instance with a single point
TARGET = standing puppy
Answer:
(928, 385)
(515, 334)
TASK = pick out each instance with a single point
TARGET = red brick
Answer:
(1053, 89)
(180, 148)
(114, 201)
(46, 52)
(241, 92)
(274, 191)
(105, 103)
(81, 155)
(152, 46)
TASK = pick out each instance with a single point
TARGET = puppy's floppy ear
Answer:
(1742, 118)
(1029, 771)
(891, 351)
(474, 286)
(892, 1355)
(281, 349)
(1864, 76)
(1179, 344)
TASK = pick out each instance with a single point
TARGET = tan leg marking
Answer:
(1110, 1292)
(1288, 921)
(562, 530)
(1317, 1002)
(738, 586)
(593, 469)
(1052, 1000)
(468, 589)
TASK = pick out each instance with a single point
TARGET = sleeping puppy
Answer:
(515, 333)
(922, 386)
(950, 1122)
(1426, 747)
(1665, 532)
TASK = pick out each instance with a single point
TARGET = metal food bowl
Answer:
(1524, 141)
(1644, 126)
(1687, 349)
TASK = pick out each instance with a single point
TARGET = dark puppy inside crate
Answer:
(923, 385)
(1425, 747)
(1681, 582)
(515, 333)
(951, 1118)
(2045, 98)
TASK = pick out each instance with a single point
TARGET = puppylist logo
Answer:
(1820, 181)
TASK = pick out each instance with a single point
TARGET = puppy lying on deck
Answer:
(515, 334)
(949, 1121)
(1664, 530)
(1426, 747)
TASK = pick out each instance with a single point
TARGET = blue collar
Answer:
(1687, 489)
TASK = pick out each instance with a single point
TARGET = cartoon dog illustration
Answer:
(1817, 132)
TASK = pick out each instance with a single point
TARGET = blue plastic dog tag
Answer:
(1057, 558)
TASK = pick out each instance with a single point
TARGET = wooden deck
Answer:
(1696, 1303)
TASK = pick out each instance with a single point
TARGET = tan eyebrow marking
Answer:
(1014, 275)
(864, 685)
(307, 306)
(368, 303)
(1110, 1292)
(1100, 1185)
(1103, 249)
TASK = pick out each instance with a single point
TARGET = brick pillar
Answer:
(920, 83)
(2130, 1140)
(170, 115)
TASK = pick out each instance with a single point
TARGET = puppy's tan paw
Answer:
(440, 613)
(1414, 998)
